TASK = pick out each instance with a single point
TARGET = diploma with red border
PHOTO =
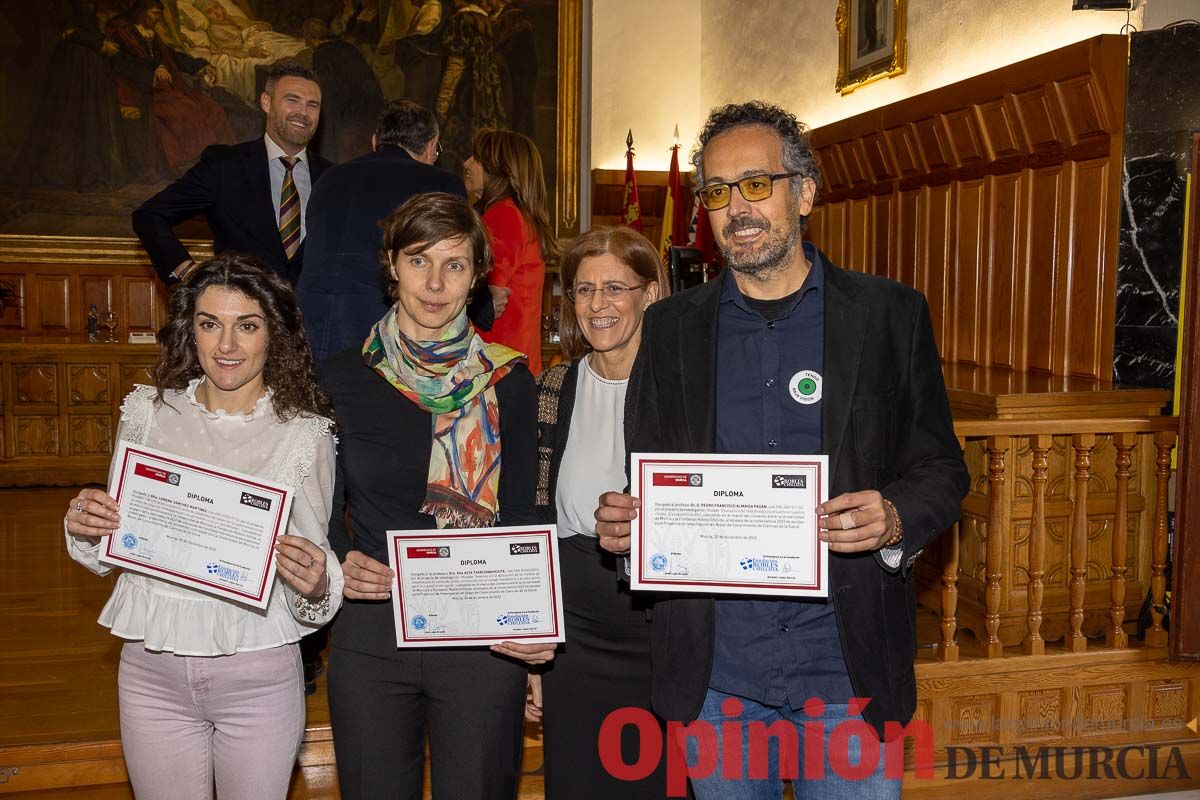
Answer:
(477, 586)
(197, 525)
(729, 524)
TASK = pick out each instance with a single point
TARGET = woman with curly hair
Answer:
(210, 689)
(505, 173)
(436, 429)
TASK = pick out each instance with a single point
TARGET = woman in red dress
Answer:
(505, 173)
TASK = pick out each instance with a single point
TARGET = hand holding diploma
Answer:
(301, 565)
(613, 516)
(92, 514)
(366, 578)
(856, 521)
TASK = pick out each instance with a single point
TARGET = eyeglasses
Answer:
(613, 292)
(753, 188)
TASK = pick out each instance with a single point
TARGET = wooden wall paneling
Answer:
(933, 276)
(1041, 279)
(996, 127)
(140, 306)
(855, 161)
(835, 232)
(965, 138)
(1082, 110)
(883, 243)
(1038, 116)
(1091, 272)
(910, 222)
(904, 147)
(880, 161)
(1004, 296)
(12, 317)
(815, 232)
(53, 303)
(967, 283)
(858, 236)
(97, 289)
(833, 171)
(934, 144)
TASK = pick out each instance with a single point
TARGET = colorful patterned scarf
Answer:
(453, 378)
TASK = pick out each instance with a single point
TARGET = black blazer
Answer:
(885, 425)
(556, 404)
(341, 289)
(231, 186)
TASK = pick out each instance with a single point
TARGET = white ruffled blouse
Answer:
(298, 453)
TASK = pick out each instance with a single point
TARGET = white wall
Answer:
(645, 77)
(786, 51)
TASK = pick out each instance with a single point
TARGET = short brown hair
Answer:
(626, 245)
(426, 219)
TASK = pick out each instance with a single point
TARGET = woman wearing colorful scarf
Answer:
(436, 429)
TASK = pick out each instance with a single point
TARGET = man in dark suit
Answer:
(341, 290)
(254, 194)
(787, 353)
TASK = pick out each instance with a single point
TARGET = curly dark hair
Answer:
(288, 373)
(798, 155)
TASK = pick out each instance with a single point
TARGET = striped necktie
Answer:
(289, 209)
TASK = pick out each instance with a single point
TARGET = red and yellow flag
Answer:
(631, 210)
(674, 218)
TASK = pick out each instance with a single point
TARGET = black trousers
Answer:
(604, 666)
(382, 705)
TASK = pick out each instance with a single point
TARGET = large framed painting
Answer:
(84, 138)
(871, 41)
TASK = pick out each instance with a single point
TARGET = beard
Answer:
(767, 258)
(286, 134)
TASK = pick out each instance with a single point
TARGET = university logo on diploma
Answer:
(729, 524)
(196, 525)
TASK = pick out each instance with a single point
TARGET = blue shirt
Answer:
(786, 650)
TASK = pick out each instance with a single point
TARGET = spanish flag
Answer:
(674, 217)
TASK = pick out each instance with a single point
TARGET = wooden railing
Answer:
(999, 439)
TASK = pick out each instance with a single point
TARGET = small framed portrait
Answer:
(871, 41)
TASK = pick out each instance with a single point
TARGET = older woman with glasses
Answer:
(612, 275)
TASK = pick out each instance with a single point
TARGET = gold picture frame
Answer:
(872, 41)
(53, 247)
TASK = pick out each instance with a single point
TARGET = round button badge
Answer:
(805, 387)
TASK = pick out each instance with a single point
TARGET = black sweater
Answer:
(384, 441)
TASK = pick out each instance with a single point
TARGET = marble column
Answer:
(1162, 109)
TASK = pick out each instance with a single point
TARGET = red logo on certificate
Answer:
(428, 552)
(156, 474)
(678, 479)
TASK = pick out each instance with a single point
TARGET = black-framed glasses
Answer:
(613, 292)
(715, 196)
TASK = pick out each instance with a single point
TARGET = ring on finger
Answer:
(79, 506)
(847, 520)
(311, 560)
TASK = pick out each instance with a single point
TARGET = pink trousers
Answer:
(190, 721)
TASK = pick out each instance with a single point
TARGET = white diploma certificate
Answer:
(196, 525)
(476, 586)
(729, 524)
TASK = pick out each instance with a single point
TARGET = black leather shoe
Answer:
(313, 670)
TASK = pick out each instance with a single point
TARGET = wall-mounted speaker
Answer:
(1101, 5)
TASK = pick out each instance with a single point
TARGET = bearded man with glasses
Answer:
(809, 359)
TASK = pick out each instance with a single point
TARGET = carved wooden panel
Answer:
(882, 256)
(1040, 714)
(1082, 109)
(975, 719)
(964, 137)
(934, 146)
(1037, 119)
(879, 157)
(88, 383)
(1103, 710)
(1042, 278)
(855, 162)
(35, 436)
(833, 172)
(1005, 273)
(54, 298)
(934, 277)
(1088, 299)
(90, 435)
(998, 131)
(35, 384)
(910, 223)
(860, 230)
(903, 144)
(1167, 703)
